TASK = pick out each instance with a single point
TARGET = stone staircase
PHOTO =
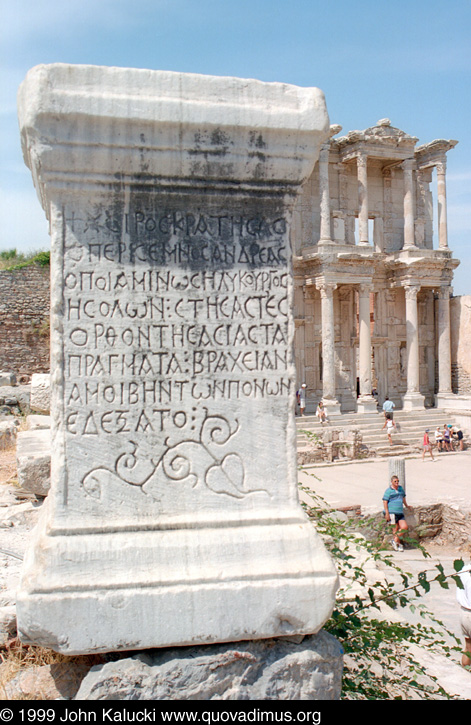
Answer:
(411, 426)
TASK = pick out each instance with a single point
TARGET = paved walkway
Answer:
(447, 480)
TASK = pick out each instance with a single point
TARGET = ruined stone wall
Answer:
(24, 320)
(460, 322)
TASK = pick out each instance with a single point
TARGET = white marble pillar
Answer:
(413, 398)
(362, 171)
(366, 403)
(169, 522)
(329, 398)
(444, 347)
(325, 233)
(442, 213)
(409, 236)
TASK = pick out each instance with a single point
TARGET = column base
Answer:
(102, 591)
(366, 404)
(413, 401)
(332, 406)
(442, 400)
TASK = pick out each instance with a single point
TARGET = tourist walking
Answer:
(390, 426)
(464, 600)
(321, 413)
(394, 500)
(458, 435)
(427, 446)
(301, 398)
(388, 407)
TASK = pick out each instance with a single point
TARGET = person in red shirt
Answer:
(427, 446)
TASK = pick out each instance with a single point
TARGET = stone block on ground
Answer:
(40, 393)
(38, 422)
(33, 455)
(272, 669)
(21, 514)
(7, 378)
(17, 396)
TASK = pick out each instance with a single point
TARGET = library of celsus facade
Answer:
(373, 273)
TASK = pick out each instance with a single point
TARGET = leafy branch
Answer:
(379, 662)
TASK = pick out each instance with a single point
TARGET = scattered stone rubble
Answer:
(334, 443)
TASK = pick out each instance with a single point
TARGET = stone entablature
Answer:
(372, 300)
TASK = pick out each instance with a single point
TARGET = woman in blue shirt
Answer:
(394, 500)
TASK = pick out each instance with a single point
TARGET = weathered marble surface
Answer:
(273, 669)
(173, 516)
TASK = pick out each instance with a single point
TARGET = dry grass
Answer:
(8, 472)
(64, 674)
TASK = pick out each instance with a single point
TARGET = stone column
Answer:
(442, 210)
(413, 398)
(171, 520)
(362, 171)
(325, 232)
(397, 467)
(366, 403)
(328, 347)
(409, 236)
(444, 347)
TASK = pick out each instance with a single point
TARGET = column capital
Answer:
(441, 166)
(365, 288)
(408, 164)
(411, 291)
(444, 293)
(326, 288)
(362, 159)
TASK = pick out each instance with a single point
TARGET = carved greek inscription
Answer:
(167, 317)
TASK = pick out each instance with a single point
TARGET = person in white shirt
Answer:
(321, 414)
(464, 600)
(439, 438)
(301, 396)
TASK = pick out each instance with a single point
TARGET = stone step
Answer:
(372, 431)
(438, 417)
(406, 441)
(370, 435)
(343, 420)
(412, 429)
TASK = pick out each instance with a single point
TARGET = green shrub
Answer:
(379, 664)
(11, 259)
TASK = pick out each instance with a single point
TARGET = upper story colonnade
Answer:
(372, 292)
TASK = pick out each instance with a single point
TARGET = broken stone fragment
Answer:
(33, 455)
(7, 378)
(38, 422)
(40, 393)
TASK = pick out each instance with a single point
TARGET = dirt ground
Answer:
(8, 466)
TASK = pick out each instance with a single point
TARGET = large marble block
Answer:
(173, 516)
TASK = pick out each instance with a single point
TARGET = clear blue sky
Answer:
(409, 61)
